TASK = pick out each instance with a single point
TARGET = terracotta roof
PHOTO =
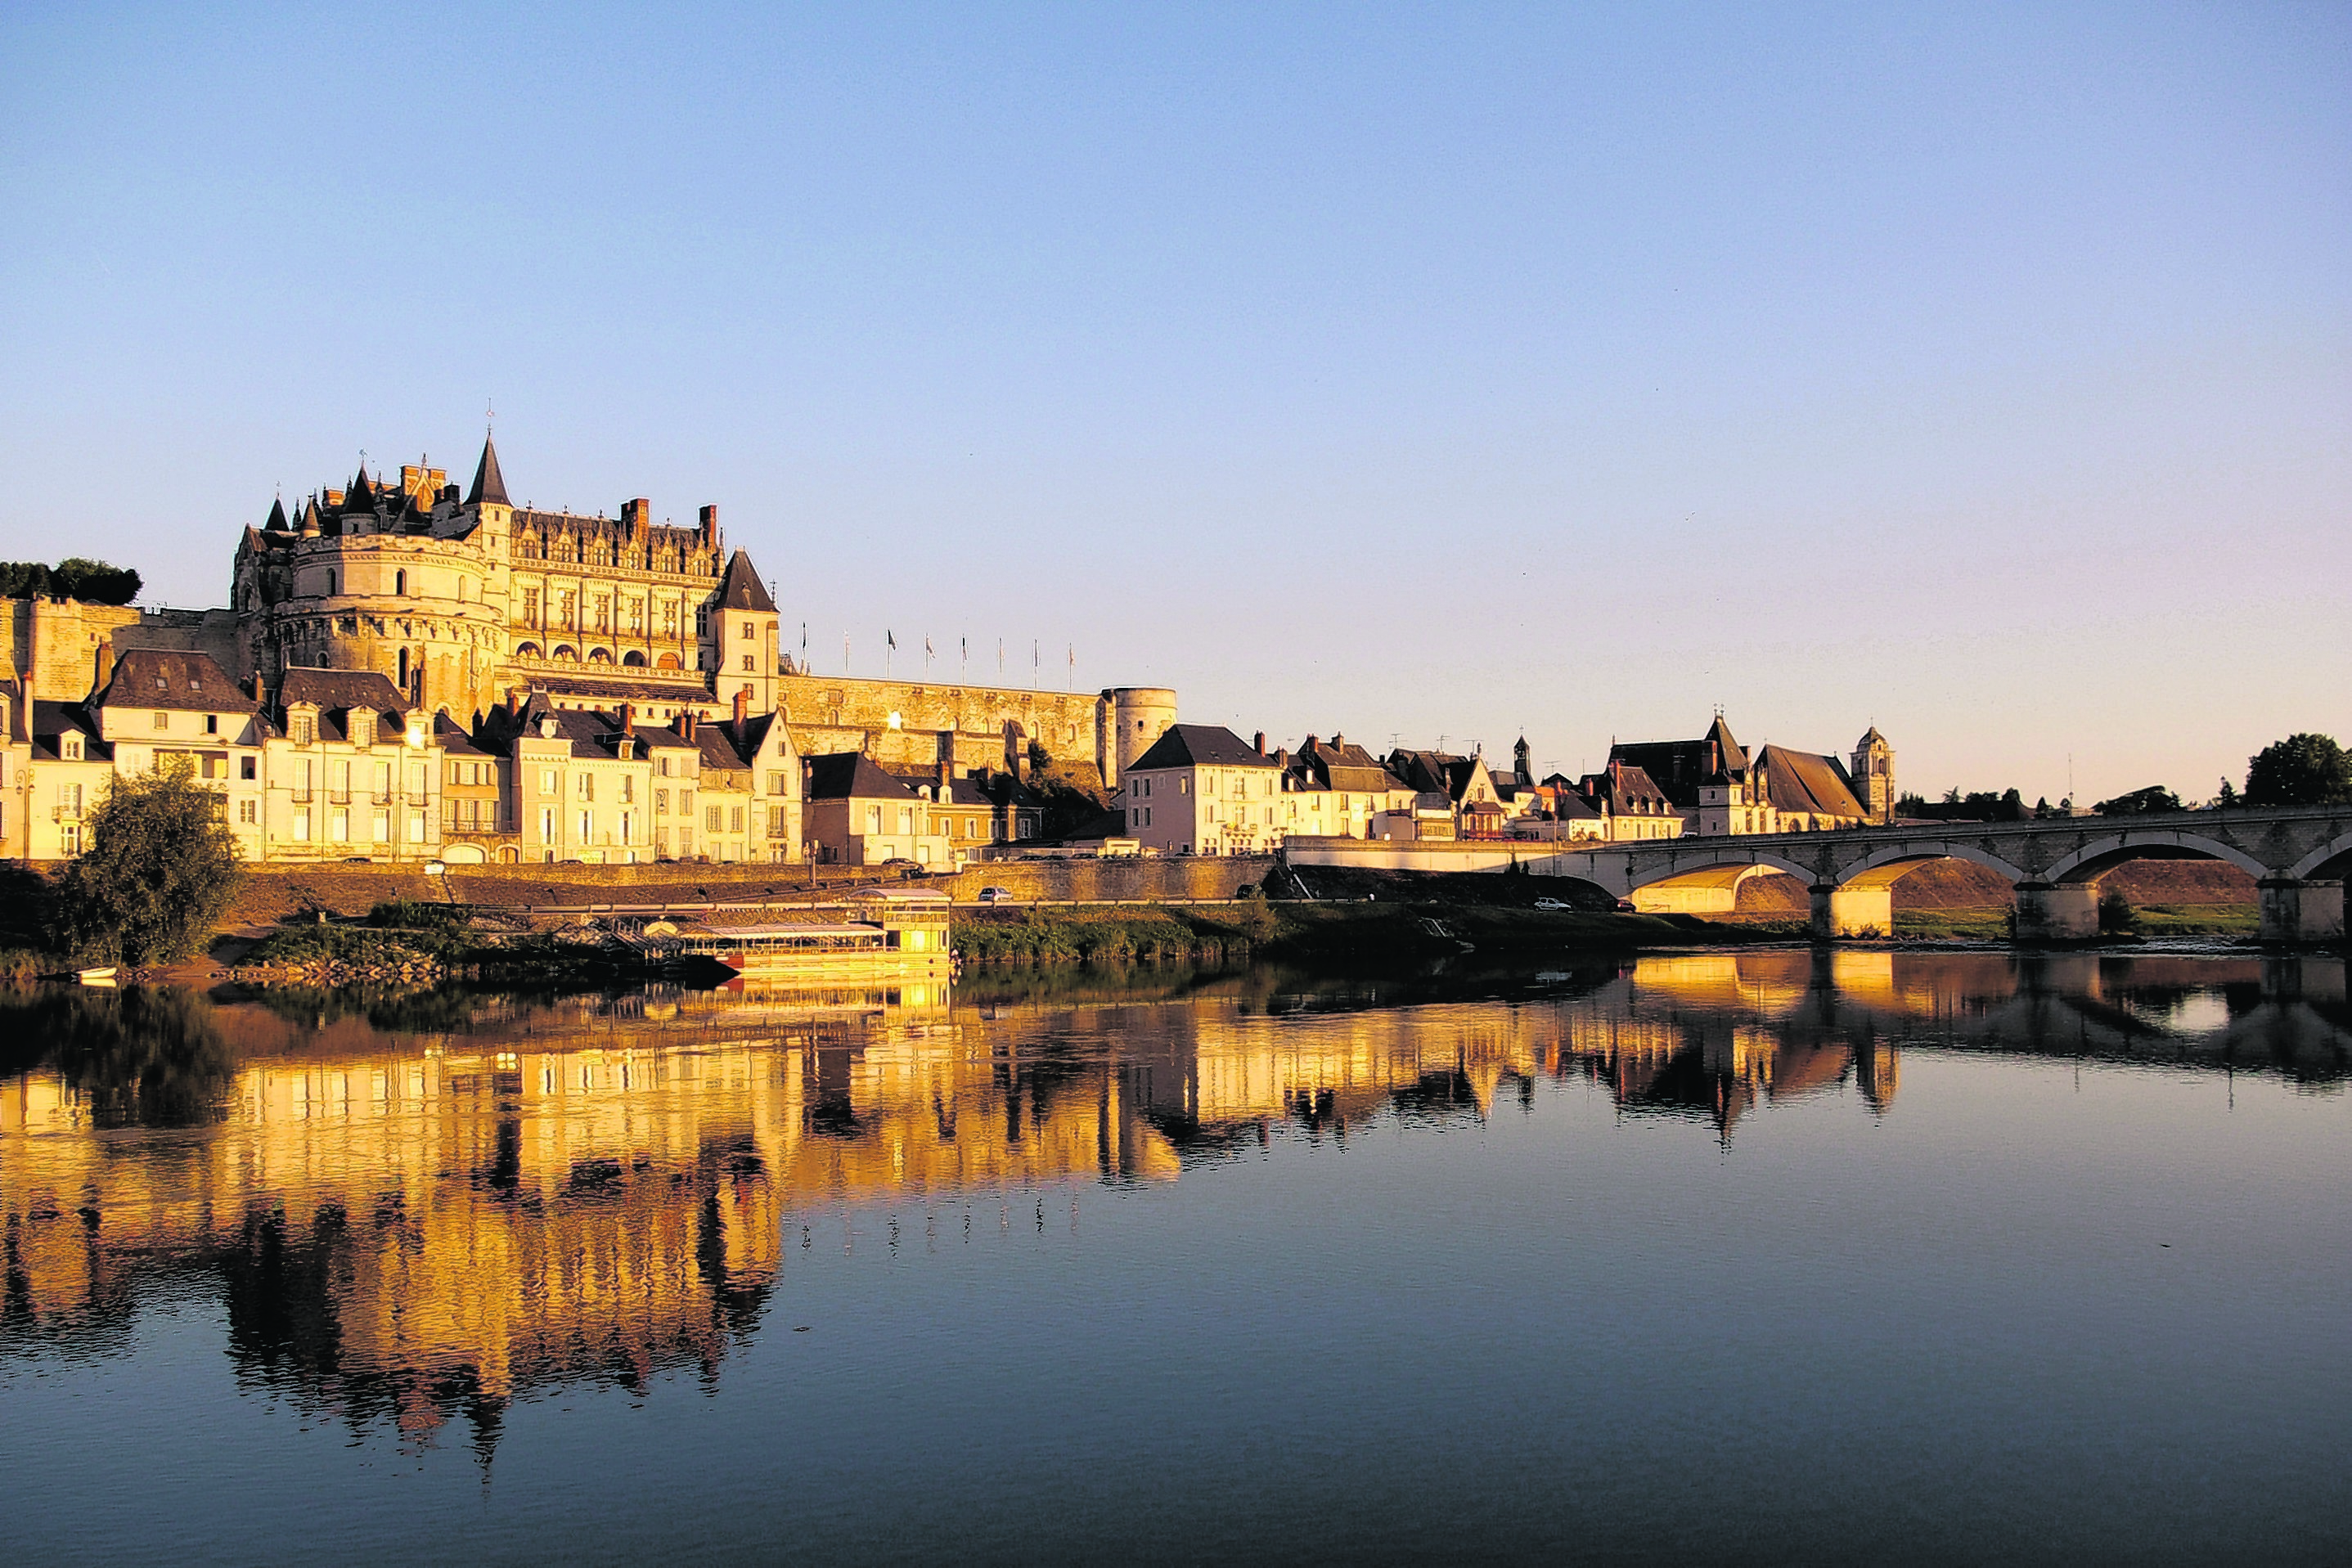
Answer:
(159, 677)
(741, 588)
(1201, 746)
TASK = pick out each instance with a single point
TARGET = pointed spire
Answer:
(489, 484)
(360, 496)
(277, 523)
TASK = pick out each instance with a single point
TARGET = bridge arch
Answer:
(2330, 861)
(2101, 855)
(1885, 867)
(1728, 869)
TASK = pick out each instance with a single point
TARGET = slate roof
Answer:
(1201, 746)
(1339, 764)
(1620, 786)
(741, 588)
(1679, 767)
(489, 484)
(847, 775)
(52, 721)
(166, 678)
(328, 689)
(451, 737)
(1807, 781)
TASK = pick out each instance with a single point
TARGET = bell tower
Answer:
(1874, 776)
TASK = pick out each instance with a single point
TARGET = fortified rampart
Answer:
(919, 723)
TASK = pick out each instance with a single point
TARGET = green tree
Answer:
(77, 577)
(160, 871)
(2155, 798)
(2301, 770)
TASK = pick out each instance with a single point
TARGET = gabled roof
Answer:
(1807, 781)
(489, 484)
(1201, 746)
(852, 774)
(329, 689)
(166, 678)
(741, 589)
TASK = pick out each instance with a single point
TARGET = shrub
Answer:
(160, 871)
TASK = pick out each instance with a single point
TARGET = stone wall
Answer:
(61, 647)
(839, 713)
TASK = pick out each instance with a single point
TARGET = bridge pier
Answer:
(1852, 912)
(2048, 913)
(2296, 911)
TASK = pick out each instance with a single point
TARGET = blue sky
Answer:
(1985, 373)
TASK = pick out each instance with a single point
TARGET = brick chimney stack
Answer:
(1259, 741)
(638, 515)
(629, 719)
(711, 526)
(742, 703)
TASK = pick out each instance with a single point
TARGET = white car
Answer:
(1552, 904)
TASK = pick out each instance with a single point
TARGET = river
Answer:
(1773, 1255)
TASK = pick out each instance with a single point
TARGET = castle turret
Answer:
(1129, 719)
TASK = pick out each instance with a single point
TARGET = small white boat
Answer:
(100, 975)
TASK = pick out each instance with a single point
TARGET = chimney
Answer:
(1310, 745)
(257, 685)
(711, 526)
(947, 776)
(629, 719)
(638, 515)
(1259, 741)
(742, 703)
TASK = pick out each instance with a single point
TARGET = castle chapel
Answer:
(462, 600)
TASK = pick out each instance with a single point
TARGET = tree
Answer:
(2227, 794)
(77, 577)
(2301, 770)
(160, 871)
(2155, 798)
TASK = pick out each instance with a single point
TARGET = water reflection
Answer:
(417, 1209)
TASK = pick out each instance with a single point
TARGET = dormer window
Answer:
(71, 749)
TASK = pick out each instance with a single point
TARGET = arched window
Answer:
(404, 669)
(331, 582)
(667, 662)
(634, 659)
(567, 651)
(527, 651)
(400, 583)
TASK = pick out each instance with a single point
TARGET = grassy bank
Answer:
(408, 942)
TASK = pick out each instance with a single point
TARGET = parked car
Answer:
(1625, 906)
(1553, 904)
(996, 896)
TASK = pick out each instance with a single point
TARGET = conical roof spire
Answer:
(489, 484)
(360, 496)
(277, 523)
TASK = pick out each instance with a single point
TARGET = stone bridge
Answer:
(2297, 856)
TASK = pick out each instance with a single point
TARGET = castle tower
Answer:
(744, 627)
(1128, 721)
(1873, 775)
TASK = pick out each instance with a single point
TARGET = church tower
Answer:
(1874, 776)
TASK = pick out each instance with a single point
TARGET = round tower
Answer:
(1129, 720)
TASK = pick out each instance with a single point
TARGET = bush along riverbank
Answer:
(417, 944)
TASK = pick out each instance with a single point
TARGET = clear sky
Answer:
(1982, 372)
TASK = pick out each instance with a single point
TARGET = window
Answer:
(249, 811)
(72, 749)
(587, 827)
(547, 783)
(415, 827)
(547, 824)
(245, 770)
(777, 826)
(775, 783)
(162, 721)
(530, 606)
(340, 827)
(70, 838)
(586, 787)
(873, 818)
(628, 789)
(906, 820)
(702, 621)
(302, 826)
(661, 802)
(1183, 786)
(747, 663)
(399, 584)
(69, 800)
(710, 818)
(305, 727)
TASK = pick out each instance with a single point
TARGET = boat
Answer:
(881, 935)
(98, 975)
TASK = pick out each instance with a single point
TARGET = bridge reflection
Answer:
(418, 1211)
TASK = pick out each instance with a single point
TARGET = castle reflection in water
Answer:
(421, 1209)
